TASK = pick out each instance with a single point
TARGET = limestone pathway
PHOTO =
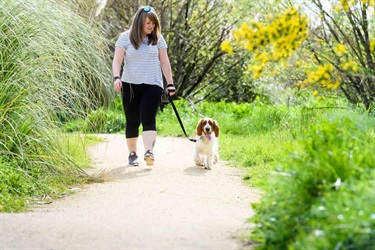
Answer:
(172, 205)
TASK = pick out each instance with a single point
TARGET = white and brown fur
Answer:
(206, 152)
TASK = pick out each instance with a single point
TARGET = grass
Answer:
(252, 136)
(329, 179)
(52, 69)
(257, 153)
(22, 186)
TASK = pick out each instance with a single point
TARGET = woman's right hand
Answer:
(117, 85)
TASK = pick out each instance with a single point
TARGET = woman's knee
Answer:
(132, 129)
(149, 125)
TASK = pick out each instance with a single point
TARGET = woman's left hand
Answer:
(171, 90)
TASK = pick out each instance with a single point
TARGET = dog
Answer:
(206, 147)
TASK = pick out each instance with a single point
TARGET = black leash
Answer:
(179, 119)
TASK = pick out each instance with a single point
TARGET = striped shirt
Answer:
(142, 65)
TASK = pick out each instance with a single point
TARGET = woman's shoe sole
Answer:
(149, 160)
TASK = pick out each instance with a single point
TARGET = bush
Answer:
(331, 180)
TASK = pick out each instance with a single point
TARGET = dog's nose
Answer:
(207, 129)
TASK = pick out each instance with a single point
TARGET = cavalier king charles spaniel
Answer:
(206, 148)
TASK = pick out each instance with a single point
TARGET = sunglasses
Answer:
(147, 9)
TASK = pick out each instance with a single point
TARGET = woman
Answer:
(144, 52)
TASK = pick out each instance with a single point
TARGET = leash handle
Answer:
(179, 119)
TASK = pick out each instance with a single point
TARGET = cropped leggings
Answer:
(140, 103)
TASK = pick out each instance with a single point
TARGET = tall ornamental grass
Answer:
(53, 67)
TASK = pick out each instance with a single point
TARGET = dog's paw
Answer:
(216, 159)
(207, 167)
(198, 161)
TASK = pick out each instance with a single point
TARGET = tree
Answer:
(194, 31)
(337, 43)
(344, 47)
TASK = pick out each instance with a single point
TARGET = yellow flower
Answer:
(282, 36)
(336, 85)
(372, 46)
(257, 70)
(340, 49)
(318, 40)
(337, 8)
(227, 47)
(315, 93)
(354, 67)
(345, 4)
(237, 34)
(351, 65)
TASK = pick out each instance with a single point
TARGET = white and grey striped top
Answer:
(142, 65)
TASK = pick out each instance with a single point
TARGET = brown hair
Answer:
(216, 128)
(136, 27)
(199, 128)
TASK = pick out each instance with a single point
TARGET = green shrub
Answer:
(321, 196)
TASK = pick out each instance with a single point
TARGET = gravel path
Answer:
(172, 205)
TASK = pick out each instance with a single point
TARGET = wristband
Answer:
(115, 78)
(171, 90)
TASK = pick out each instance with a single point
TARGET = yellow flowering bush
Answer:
(272, 42)
(338, 53)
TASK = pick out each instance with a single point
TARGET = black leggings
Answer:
(141, 103)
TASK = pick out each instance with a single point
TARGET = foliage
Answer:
(336, 51)
(105, 120)
(341, 44)
(52, 68)
(271, 42)
(329, 180)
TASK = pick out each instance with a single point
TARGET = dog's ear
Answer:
(216, 128)
(199, 128)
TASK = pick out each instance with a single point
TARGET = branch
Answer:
(364, 24)
(203, 74)
(357, 50)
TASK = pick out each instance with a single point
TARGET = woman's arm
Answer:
(166, 68)
(118, 58)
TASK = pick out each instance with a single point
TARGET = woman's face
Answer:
(148, 27)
